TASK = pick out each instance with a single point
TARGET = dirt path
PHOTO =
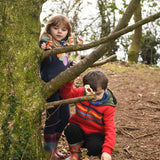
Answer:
(137, 117)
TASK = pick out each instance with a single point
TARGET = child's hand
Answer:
(105, 156)
(43, 46)
(80, 41)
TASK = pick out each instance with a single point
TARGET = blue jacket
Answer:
(51, 66)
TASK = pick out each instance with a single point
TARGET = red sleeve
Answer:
(110, 131)
(67, 91)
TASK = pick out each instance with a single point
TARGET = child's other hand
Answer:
(105, 156)
(74, 62)
(43, 46)
(88, 90)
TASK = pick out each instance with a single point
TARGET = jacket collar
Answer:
(102, 101)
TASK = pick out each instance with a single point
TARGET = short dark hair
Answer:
(95, 78)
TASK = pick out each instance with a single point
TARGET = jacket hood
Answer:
(111, 101)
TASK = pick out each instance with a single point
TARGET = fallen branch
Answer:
(126, 133)
(146, 135)
(154, 152)
(128, 128)
(152, 102)
(69, 101)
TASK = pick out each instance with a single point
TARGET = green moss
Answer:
(19, 78)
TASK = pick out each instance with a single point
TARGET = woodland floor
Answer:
(137, 117)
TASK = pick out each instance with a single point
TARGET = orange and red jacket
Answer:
(94, 118)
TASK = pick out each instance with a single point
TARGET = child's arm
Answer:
(110, 130)
(67, 91)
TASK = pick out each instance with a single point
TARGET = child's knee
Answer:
(94, 149)
(74, 134)
(72, 129)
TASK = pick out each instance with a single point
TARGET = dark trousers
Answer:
(57, 117)
(93, 142)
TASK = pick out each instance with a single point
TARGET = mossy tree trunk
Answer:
(133, 52)
(21, 101)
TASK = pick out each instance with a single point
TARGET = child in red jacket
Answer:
(92, 126)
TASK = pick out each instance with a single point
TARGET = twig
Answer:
(126, 133)
(135, 117)
(127, 150)
(152, 102)
(128, 128)
(146, 135)
(154, 152)
(69, 101)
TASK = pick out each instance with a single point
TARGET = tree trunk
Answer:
(20, 95)
(133, 52)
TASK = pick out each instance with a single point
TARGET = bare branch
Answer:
(104, 61)
(69, 101)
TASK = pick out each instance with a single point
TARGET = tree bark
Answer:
(20, 96)
(133, 52)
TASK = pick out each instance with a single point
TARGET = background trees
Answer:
(148, 50)
(100, 18)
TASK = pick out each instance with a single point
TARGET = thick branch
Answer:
(69, 101)
(102, 40)
(127, 15)
(73, 72)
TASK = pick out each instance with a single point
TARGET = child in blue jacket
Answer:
(56, 34)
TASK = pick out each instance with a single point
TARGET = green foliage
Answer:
(148, 52)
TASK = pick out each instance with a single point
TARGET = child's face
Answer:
(59, 32)
(99, 94)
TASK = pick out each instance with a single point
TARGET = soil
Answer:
(137, 116)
